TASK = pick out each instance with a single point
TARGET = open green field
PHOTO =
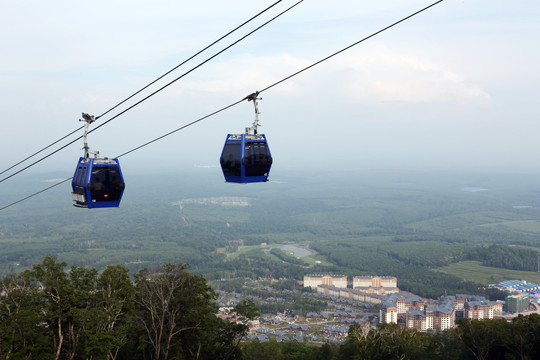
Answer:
(391, 223)
(475, 271)
(311, 260)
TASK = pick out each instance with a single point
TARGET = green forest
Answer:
(403, 224)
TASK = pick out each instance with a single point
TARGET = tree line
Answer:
(49, 312)
(506, 257)
(471, 340)
(494, 339)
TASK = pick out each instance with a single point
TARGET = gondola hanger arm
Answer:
(253, 97)
(88, 119)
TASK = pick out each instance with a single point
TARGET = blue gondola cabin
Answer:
(246, 159)
(97, 183)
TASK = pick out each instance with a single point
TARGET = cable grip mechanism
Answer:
(88, 119)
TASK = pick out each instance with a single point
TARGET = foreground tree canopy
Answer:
(51, 313)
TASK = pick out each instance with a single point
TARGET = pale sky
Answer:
(454, 88)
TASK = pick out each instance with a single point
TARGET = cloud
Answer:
(247, 72)
(376, 76)
(382, 76)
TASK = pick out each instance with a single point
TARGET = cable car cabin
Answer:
(246, 159)
(97, 183)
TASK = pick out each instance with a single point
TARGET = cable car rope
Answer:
(134, 94)
(154, 93)
(191, 57)
(196, 67)
(181, 128)
(37, 152)
(350, 46)
(247, 97)
(282, 80)
(34, 194)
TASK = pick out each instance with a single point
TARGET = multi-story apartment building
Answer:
(443, 316)
(313, 281)
(434, 318)
(352, 294)
(417, 320)
(376, 284)
(397, 304)
(388, 314)
(479, 310)
(374, 281)
(329, 290)
(459, 302)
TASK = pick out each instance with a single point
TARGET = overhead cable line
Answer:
(247, 97)
(280, 81)
(142, 89)
(132, 150)
(350, 46)
(39, 151)
(36, 193)
(182, 127)
(155, 92)
(198, 66)
(191, 57)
